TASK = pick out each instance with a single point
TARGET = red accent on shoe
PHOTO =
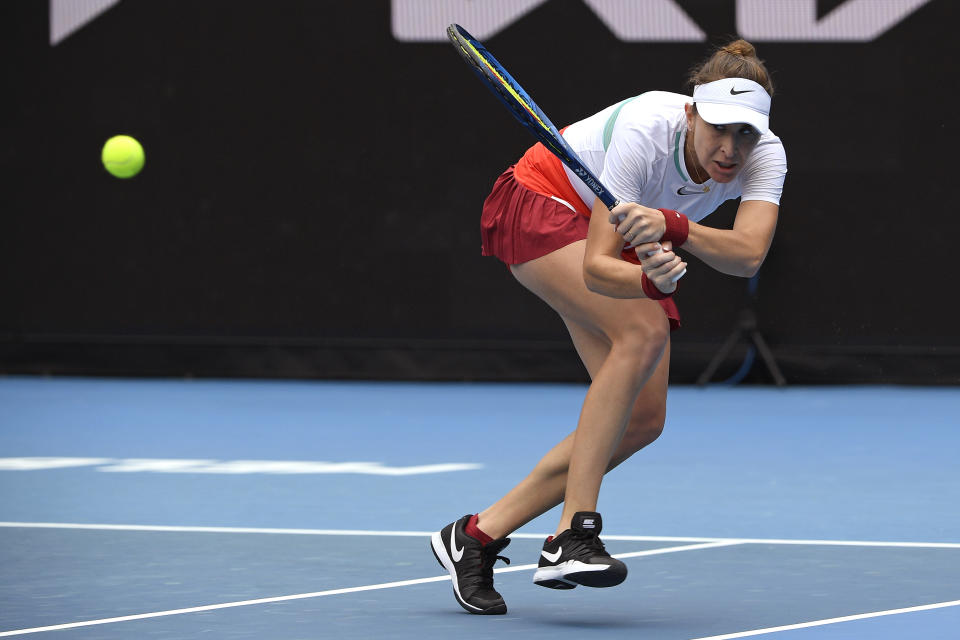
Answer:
(474, 531)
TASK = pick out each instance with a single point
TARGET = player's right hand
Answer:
(637, 224)
(662, 266)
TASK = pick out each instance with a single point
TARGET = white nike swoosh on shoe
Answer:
(552, 557)
(455, 553)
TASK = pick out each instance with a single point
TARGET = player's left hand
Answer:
(637, 224)
(662, 266)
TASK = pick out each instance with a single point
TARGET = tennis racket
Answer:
(523, 108)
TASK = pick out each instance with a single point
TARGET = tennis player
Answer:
(671, 160)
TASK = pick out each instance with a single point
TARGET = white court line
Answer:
(224, 605)
(318, 594)
(705, 543)
(308, 532)
(849, 543)
(181, 529)
(358, 532)
(818, 623)
(688, 547)
(637, 554)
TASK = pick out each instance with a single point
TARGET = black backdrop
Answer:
(309, 206)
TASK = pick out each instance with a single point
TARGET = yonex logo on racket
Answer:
(584, 175)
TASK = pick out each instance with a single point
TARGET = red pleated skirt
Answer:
(518, 224)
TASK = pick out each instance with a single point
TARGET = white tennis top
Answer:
(635, 147)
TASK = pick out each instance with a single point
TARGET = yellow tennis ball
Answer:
(122, 156)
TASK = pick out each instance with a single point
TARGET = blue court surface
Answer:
(283, 510)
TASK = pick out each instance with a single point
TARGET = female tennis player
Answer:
(671, 160)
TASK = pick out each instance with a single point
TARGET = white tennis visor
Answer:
(733, 100)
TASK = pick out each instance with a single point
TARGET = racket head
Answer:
(522, 106)
(507, 89)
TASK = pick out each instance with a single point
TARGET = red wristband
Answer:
(651, 289)
(678, 226)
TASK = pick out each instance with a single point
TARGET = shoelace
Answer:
(590, 541)
(488, 558)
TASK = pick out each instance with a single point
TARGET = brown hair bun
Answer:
(735, 59)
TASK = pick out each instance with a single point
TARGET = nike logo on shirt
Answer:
(552, 557)
(684, 191)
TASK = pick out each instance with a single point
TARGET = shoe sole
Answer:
(560, 577)
(551, 583)
(440, 553)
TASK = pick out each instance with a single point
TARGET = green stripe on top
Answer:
(676, 156)
(612, 120)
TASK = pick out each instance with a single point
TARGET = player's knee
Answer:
(645, 426)
(643, 342)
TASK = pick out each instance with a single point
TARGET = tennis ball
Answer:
(122, 156)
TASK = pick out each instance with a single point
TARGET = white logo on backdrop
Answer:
(662, 20)
(628, 20)
(66, 16)
(796, 20)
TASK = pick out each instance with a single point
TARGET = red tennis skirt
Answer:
(519, 224)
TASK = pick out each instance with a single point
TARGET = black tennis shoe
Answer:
(470, 564)
(577, 556)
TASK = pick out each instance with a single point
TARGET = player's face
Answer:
(721, 149)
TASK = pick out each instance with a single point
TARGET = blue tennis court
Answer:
(171, 509)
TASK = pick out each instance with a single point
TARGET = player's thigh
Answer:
(557, 278)
(595, 322)
(649, 411)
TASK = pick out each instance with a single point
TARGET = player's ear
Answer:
(691, 112)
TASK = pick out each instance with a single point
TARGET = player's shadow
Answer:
(586, 622)
(614, 616)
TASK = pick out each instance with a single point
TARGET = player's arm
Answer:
(741, 250)
(605, 272)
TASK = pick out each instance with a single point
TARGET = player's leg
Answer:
(637, 332)
(544, 487)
